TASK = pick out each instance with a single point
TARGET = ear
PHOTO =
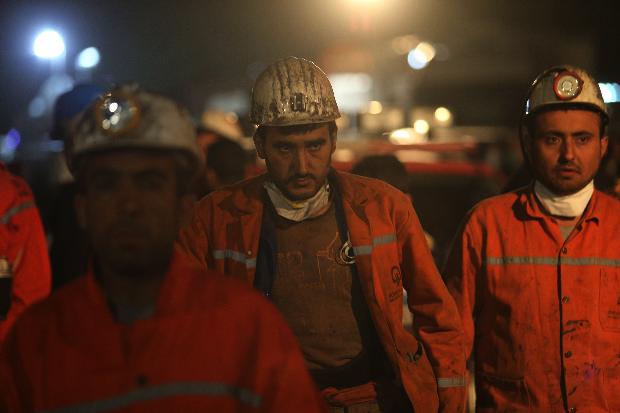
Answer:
(526, 144)
(604, 144)
(212, 181)
(79, 203)
(334, 138)
(259, 145)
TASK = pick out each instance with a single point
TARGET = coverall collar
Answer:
(527, 198)
(249, 201)
(169, 293)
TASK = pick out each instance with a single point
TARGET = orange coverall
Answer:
(541, 314)
(213, 345)
(390, 253)
(22, 247)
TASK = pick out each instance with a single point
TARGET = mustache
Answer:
(128, 226)
(567, 165)
(295, 177)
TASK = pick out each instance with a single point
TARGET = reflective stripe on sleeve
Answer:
(447, 382)
(603, 262)
(376, 241)
(235, 256)
(161, 392)
(15, 210)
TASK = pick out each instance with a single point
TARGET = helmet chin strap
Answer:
(298, 210)
(570, 206)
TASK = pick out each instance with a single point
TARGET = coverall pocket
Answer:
(609, 300)
(501, 394)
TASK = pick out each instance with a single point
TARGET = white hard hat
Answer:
(222, 123)
(128, 117)
(564, 87)
(293, 91)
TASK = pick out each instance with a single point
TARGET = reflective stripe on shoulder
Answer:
(235, 256)
(161, 392)
(603, 262)
(446, 382)
(15, 210)
(376, 241)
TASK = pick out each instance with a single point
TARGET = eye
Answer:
(283, 148)
(151, 181)
(582, 140)
(315, 146)
(103, 181)
(551, 139)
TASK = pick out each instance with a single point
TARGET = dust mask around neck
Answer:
(571, 205)
(298, 210)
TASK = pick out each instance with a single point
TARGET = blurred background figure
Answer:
(229, 162)
(69, 246)
(24, 263)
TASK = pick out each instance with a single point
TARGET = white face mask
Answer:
(571, 205)
(298, 210)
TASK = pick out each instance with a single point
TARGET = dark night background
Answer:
(190, 49)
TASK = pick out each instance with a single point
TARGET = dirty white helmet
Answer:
(222, 123)
(130, 118)
(565, 87)
(292, 91)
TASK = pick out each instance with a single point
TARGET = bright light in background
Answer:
(421, 56)
(610, 92)
(48, 45)
(443, 115)
(344, 155)
(375, 107)
(421, 126)
(364, 2)
(406, 136)
(9, 144)
(352, 90)
(403, 44)
(88, 58)
(37, 107)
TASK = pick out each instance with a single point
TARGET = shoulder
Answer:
(372, 188)
(607, 205)
(39, 318)
(248, 190)
(497, 203)
(14, 189)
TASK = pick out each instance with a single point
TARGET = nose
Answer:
(568, 150)
(301, 162)
(128, 199)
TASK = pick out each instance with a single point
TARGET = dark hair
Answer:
(386, 168)
(228, 159)
(261, 131)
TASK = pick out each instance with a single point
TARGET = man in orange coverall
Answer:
(143, 331)
(25, 275)
(334, 251)
(536, 272)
